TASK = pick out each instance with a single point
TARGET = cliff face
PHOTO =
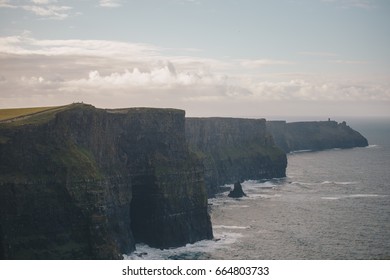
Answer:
(234, 150)
(169, 206)
(85, 183)
(314, 135)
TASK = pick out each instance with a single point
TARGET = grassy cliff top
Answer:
(9, 114)
(22, 116)
(144, 110)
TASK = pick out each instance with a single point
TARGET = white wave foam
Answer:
(144, 252)
(257, 185)
(372, 146)
(352, 196)
(299, 151)
(345, 183)
(303, 183)
(326, 182)
(366, 195)
(337, 183)
(331, 197)
(251, 182)
(260, 195)
(239, 206)
(229, 227)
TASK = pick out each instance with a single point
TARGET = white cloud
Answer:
(43, 1)
(6, 4)
(255, 63)
(32, 80)
(110, 3)
(49, 12)
(45, 9)
(305, 90)
(113, 73)
(26, 45)
(165, 76)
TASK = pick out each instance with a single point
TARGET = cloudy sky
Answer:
(209, 57)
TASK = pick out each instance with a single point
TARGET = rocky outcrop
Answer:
(234, 150)
(87, 183)
(319, 135)
(237, 191)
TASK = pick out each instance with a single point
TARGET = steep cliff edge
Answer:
(83, 183)
(233, 150)
(318, 135)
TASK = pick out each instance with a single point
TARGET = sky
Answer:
(246, 58)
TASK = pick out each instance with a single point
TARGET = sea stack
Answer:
(237, 191)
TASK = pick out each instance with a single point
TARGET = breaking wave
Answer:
(197, 250)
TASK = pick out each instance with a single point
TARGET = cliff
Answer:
(233, 150)
(318, 135)
(78, 182)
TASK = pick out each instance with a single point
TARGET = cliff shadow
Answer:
(143, 210)
(2, 254)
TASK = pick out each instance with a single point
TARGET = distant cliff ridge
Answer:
(316, 135)
(84, 183)
(233, 150)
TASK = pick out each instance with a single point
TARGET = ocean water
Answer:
(333, 204)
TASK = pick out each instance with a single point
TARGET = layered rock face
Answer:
(86, 183)
(318, 135)
(233, 150)
(169, 206)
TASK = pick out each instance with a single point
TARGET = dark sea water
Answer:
(333, 204)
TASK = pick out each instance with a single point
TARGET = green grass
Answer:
(8, 114)
(78, 161)
(37, 115)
